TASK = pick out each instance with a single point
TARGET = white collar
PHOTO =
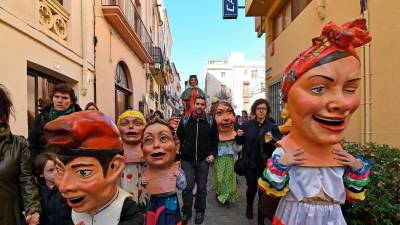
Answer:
(110, 214)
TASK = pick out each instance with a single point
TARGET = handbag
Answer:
(241, 165)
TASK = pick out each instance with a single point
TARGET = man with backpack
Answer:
(198, 136)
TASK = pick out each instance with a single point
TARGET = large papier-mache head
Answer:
(335, 42)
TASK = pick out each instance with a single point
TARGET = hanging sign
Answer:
(230, 9)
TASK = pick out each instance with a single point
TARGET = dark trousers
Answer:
(252, 176)
(196, 173)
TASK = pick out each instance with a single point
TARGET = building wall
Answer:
(237, 70)
(384, 123)
(110, 50)
(24, 42)
(385, 80)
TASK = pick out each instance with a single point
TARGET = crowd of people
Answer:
(79, 167)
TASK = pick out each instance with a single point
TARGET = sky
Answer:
(199, 34)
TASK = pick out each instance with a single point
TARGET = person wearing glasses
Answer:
(258, 137)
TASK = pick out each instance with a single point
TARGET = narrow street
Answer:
(235, 215)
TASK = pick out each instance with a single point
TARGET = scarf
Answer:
(55, 114)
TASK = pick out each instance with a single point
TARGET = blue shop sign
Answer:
(230, 9)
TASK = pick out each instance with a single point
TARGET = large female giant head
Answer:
(320, 86)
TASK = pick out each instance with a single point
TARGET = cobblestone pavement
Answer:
(235, 215)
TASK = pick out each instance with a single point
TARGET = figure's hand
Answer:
(176, 169)
(210, 158)
(32, 219)
(145, 180)
(240, 132)
(268, 137)
(293, 158)
(346, 159)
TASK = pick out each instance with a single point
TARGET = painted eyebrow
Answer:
(323, 76)
(352, 80)
(81, 164)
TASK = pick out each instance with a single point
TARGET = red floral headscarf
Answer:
(334, 43)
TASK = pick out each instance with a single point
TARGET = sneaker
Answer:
(185, 219)
(199, 218)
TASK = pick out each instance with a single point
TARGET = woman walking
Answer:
(258, 138)
(17, 181)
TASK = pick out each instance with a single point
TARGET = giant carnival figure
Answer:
(189, 95)
(131, 124)
(310, 170)
(89, 165)
(224, 177)
(164, 176)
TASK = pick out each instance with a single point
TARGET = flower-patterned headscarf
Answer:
(334, 43)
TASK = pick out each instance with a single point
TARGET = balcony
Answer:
(125, 19)
(157, 68)
(54, 20)
(258, 7)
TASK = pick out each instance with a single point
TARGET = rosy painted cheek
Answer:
(353, 103)
(218, 119)
(89, 187)
(306, 106)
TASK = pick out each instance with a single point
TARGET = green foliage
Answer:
(382, 203)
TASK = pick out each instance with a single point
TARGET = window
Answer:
(298, 6)
(287, 14)
(245, 72)
(254, 74)
(283, 19)
(222, 74)
(246, 93)
(275, 100)
(40, 87)
(122, 91)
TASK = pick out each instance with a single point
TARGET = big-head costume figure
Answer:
(90, 162)
(224, 178)
(164, 175)
(189, 95)
(131, 124)
(310, 170)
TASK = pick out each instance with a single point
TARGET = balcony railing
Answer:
(133, 17)
(54, 19)
(157, 55)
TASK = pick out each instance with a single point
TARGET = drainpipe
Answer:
(94, 53)
(85, 75)
(367, 133)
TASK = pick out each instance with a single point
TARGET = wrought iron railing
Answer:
(134, 20)
(157, 55)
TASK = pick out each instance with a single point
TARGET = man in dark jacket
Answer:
(199, 137)
(64, 103)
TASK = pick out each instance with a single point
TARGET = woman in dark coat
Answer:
(18, 191)
(258, 137)
(63, 103)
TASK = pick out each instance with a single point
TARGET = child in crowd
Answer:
(164, 175)
(55, 210)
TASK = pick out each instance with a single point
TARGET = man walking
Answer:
(198, 136)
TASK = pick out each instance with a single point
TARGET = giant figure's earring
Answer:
(285, 113)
